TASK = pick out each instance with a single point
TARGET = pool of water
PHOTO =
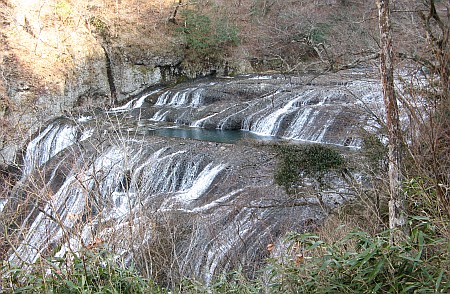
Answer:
(219, 136)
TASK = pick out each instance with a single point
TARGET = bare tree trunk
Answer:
(437, 30)
(397, 212)
(172, 18)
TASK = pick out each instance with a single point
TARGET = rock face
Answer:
(181, 207)
(53, 61)
(134, 71)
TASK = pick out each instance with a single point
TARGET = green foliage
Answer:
(357, 263)
(234, 282)
(422, 198)
(206, 37)
(360, 263)
(99, 25)
(318, 34)
(64, 10)
(375, 152)
(297, 161)
(197, 31)
(86, 272)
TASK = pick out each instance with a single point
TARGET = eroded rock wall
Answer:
(54, 61)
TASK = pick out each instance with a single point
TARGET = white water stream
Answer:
(55, 138)
(114, 189)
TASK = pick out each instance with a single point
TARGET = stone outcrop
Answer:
(110, 176)
(214, 206)
(53, 63)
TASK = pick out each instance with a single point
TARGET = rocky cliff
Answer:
(57, 57)
(189, 208)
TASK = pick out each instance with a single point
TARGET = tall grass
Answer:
(88, 271)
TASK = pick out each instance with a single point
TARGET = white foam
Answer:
(201, 184)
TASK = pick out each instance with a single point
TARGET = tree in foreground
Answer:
(397, 212)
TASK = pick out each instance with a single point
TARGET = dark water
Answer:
(219, 136)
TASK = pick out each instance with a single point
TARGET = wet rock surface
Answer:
(325, 109)
(106, 176)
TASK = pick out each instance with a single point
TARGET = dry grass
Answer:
(42, 45)
(42, 49)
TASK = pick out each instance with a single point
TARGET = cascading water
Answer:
(224, 122)
(160, 115)
(50, 142)
(270, 124)
(134, 103)
(291, 111)
(115, 181)
(188, 97)
(105, 181)
(205, 178)
(299, 122)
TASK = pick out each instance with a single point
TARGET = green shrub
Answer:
(205, 37)
(64, 11)
(86, 272)
(319, 34)
(234, 282)
(357, 263)
(197, 31)
(423, 199)
(297, 161)
(360, 263)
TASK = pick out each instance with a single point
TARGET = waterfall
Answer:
(163, 98)
(3, 203)
(275, 107)
(139, 102)
(248, 121)
(160, 115)
(268, 125)
(224, 121)
(188, 97)
(308, 125)
(55, 138)
(86, 134)
(237, 231)
(325, 127)
(197, 98)
(199, 123)
(202, 183)
(166, 171)
(134, 103)
(101, 182)
(299, 123)
(57, 218)
(215, 203)
(114, 182)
